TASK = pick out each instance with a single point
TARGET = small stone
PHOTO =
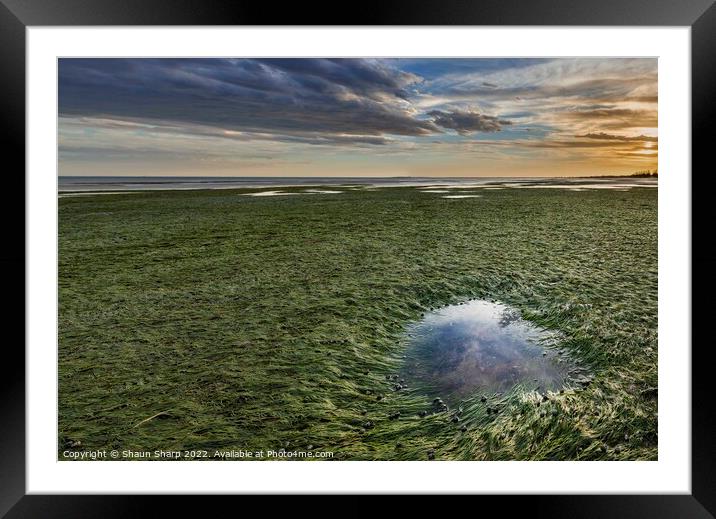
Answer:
(422, 414)
(379, 397)
(431, 454)
(545, 398)
(368, 425)
(463, 428)
(397, 387)
(394, 416)
(618, 450)
(483, 399)
(398, 445)
(455, 419)
(437, 401)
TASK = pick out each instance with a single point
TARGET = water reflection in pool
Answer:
(482, 346)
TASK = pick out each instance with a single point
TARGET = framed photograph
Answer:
(423, 253)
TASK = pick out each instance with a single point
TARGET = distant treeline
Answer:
(642, 174)
(645, 173)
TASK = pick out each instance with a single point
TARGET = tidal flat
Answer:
(207, 319)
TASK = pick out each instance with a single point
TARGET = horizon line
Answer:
(352, 176)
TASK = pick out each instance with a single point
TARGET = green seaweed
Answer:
(213, 320)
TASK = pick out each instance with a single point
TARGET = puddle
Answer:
(92, 193)
(479, 346)
(271, 193)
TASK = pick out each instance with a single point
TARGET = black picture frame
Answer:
(17, 15)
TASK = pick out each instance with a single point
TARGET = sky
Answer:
(382, 117)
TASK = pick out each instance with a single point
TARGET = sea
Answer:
(139, 183)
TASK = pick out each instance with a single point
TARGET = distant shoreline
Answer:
(79, 185)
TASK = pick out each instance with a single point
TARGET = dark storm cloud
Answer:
(371, 79)
(465, 122)
(346, 98)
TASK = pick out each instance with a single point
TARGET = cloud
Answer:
(611, 118)
(467, 122)
(370, 78)
(579, 77)
(621, 138)
(348, 97)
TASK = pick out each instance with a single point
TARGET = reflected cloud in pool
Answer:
(482, 346)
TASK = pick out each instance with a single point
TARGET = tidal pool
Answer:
(481, 346)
